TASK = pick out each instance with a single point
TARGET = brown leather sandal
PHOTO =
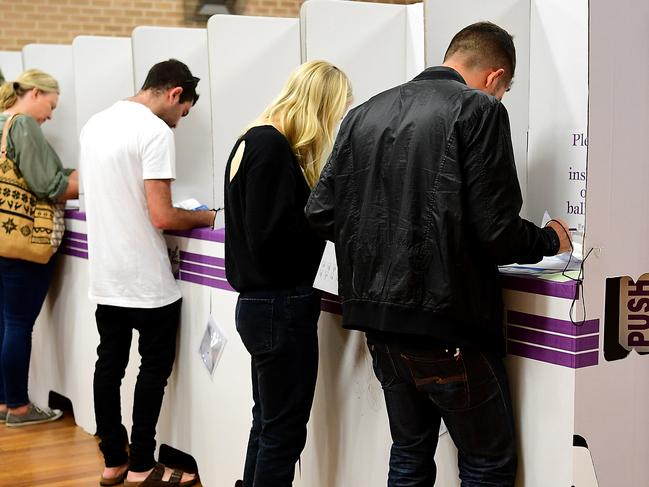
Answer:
(105, 482)
(154, 479)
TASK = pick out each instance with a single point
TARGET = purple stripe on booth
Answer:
(216, 235)
(553, 356)
(76, 235)
(537, 285)
(75, 244)
(331, 307)
(73, 252)
(552, 324)
(554, 341)
(75, 215)
(205, 281)
(202, 259)
(202, 269)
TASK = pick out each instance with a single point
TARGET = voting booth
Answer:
(576, 340)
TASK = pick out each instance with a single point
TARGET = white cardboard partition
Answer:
(194, 172)
(415, 41)
(558, 110)
(58, 61)
(369, 44)
(103, 72)
(444, 20)
(613, 398)
(65, 340)
(11, 64)
(245, 76)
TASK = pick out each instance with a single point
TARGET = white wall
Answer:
(194, 170)
(58, 61)
(11, 64)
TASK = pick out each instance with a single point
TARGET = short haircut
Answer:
(170, 74)
(485, 45)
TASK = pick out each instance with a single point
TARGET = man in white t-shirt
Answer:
(127, 166)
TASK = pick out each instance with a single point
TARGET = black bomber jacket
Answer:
(421, 198)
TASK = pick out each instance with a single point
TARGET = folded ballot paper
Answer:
(327, 277)
(190, 204)
(568, 261)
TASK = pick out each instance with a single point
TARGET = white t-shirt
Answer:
(129, 264)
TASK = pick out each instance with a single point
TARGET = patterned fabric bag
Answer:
(30, 228)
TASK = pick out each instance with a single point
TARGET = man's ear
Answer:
(174, 94)
(494, 77)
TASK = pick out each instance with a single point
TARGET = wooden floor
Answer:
(57, 454)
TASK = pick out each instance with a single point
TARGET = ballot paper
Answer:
(190, 204)
(327, 277)
(72, 204)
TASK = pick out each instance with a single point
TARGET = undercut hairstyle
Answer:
(485, 45)
(171, 74)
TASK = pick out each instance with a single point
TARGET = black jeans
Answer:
(279, 329)
(157, 347)
(468, 389)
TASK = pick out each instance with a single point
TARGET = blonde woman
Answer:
(271, 258)
(23, 285)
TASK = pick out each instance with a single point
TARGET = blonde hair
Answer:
(307, 111)
(11, 91)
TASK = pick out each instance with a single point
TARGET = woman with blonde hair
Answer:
(24, 105)
(272, 256)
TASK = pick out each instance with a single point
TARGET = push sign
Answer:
(634, 314)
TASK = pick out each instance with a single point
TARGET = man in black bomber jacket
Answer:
(421, 198)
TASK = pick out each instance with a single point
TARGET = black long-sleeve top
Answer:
(268, 242)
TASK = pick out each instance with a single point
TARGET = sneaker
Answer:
(34, 415)
(3, 416)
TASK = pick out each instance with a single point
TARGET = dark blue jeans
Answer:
(23, 287)
(465, 388)
(279, 329)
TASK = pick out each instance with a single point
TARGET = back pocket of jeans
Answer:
(254, 321)
(442, 376)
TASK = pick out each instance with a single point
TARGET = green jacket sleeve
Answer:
(37, 161)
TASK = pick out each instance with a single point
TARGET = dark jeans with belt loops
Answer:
(468, 389)
(279, 329)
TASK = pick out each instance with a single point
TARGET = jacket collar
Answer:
(440, 72)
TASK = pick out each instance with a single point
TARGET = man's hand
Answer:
(561, 229)
(164, 216)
